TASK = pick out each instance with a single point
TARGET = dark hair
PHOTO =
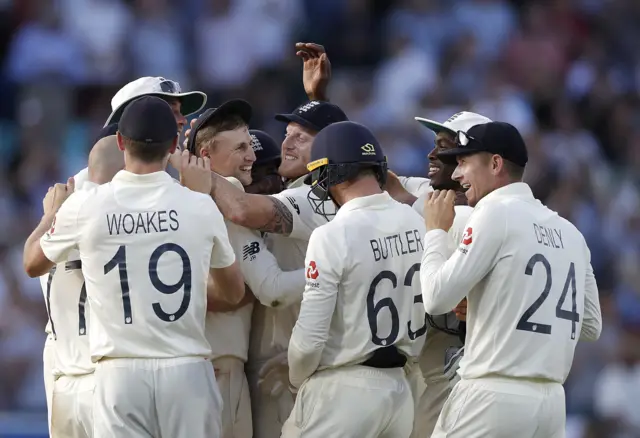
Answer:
(147, 152)
(206, 134)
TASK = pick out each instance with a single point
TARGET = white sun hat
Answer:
(192, 101)
(461, 121)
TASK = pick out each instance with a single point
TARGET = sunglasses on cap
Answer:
(463, 139)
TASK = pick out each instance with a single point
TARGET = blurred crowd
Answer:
(565, 72)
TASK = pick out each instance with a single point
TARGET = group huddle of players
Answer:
(303, 290)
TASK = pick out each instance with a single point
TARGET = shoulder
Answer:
(81, 177)
(329, 233)
(415, 185)
(293, 194)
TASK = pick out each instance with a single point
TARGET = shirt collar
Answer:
(148, 178)
(88, 185)
(299, 182)
(365, 202)
(513, 190)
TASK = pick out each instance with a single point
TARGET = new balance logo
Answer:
(293, 204)
(250, 250)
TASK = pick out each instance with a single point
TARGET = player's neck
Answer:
(357, 189)
(140, 168)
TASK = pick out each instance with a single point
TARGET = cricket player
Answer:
(443, 347)
(99, 153)
(530, 289)
(146, 255)
(73, 386)
(354, 332)
(222, 135)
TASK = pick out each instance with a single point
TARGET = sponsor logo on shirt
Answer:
(312, 271)
(250, 250)
(466, 237)
(466, 241)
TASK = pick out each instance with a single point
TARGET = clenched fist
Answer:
(439, 210)
(56, 196)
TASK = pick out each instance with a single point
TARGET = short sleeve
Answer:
(305, 219)
(65, 231)
(222, 254)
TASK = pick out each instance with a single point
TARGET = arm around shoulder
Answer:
(256, 212)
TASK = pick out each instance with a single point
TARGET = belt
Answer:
(386, 357)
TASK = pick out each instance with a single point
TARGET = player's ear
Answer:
(119, 141)
(174, 145)
(204, 152)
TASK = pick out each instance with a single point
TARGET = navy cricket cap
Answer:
(234, 107)
(315, 115)
(148, 119)
(265, 147)
(106, 132)
(498, 138)
(344, 143)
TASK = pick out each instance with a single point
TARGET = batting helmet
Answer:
(339, 153)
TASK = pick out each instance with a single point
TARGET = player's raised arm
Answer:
(38, 261)
(592, 319)
(446, 281)
(324, 270)
(257, 212)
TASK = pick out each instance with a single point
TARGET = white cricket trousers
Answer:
(496, 407)
(270, 406)
(355, 401)
(236, 408)
(47, 369)
(150, 398)
(72, 407)
(438, 348)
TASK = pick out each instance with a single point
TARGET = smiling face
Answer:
(296, 151)
(440, 173)
(231, 154)
(479, 174)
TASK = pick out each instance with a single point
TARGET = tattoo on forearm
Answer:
(280, 220)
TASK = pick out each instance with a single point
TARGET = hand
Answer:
(461, 310)
(438, 210)
(187, 133)
(56, 196)
(316, 70)
(195, 172)
(273, 376)
(396, 190)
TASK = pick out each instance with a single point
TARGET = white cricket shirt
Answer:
(432, 362)
(527, 276)
(228, 333)
(415, 185)
(68, 311)
(271, 326)
(146, 244)
(80, 178)
(362, 283)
